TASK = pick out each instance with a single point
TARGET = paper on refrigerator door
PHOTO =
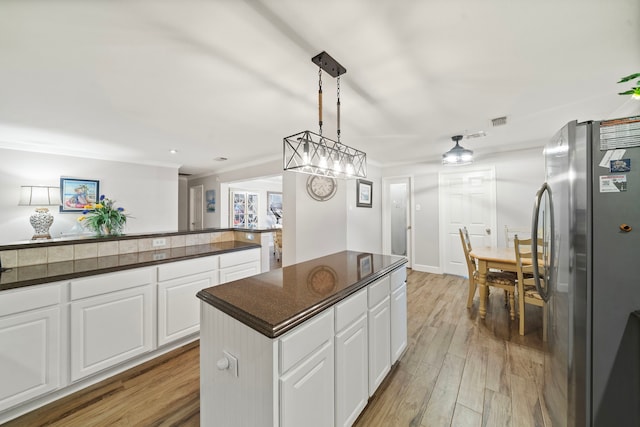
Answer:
(613, 183)
(611, 155)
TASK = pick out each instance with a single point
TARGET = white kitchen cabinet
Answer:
(30, 344)
(238, 265)
(110, 326)
(307, 373)
(352, 358)
(307, 391)
(379, 323)
(398, 313)
(178, 307)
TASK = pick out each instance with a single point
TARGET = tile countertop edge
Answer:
(105, 270)
(274, 331)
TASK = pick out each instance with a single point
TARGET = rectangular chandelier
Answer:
(312, 153)
(308, 152)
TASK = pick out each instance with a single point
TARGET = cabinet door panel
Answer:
(30, 355)
(379, 344)
(179, 308)
(352, 372)
(109, 329)
(307, 392)
(398, 322)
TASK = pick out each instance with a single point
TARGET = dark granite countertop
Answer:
(274, 302)
(89, 238)
(43, 273)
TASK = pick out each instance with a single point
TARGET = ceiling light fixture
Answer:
(458, 155)
(312, 153)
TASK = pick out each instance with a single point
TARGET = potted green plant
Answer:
(103, 218)
(634, 91)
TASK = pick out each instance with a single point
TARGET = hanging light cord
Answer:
(320, 99)
(338, 104)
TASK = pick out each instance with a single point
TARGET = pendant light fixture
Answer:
(312, 153)
(458, 155)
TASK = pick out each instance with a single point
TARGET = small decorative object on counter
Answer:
(103, 218)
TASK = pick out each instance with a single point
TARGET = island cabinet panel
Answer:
(246, 395)
(111, 327)
(379, 322)
(238, 265)
(398, 313)
(30, 336)
(352, 359)
(178, 308)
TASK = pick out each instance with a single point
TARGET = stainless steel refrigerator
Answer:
(588, 216)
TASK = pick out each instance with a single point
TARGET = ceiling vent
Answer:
(499, 121)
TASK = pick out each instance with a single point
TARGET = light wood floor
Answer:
(457, 371)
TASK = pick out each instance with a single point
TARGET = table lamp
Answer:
(40, 196)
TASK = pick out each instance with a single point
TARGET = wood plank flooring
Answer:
(458, 370)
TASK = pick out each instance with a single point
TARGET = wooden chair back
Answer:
(527, 291)
(466, 247)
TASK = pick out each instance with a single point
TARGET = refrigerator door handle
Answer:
(542, 291)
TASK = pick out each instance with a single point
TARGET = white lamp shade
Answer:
(39, 196)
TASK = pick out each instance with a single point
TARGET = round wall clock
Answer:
(321, 188)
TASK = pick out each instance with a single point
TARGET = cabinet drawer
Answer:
(187, 267)
(29, 299)
(398, 277)
(105, 283)
(378, 291)
(304, 339)
(352, 308)
(239, 257)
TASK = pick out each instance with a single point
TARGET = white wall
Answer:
(320, 227)
(148, 193)
(214, 182)
(519, 174)
(364, 230)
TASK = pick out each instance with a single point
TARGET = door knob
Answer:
(488, 230)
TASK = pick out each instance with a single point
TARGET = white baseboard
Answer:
(427, 268)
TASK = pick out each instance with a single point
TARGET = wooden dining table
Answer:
(492, 257)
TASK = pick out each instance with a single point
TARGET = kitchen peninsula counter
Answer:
(276, 301)
(18, 277)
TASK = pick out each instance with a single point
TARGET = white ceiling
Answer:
(130, 80)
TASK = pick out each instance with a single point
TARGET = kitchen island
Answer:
(306, 344)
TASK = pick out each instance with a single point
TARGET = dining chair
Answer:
(511, 231)
(497, 279)
(527, 291)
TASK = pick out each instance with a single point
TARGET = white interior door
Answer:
(397, 234)
(196, 206)
(467, 199)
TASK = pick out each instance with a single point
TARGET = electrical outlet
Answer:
(159, 242)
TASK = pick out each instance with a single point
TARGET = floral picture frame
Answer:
(76, 193)
(364, 194)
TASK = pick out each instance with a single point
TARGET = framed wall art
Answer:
(364, 193)
(77, 193)
(365, 265)
(210, 196)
